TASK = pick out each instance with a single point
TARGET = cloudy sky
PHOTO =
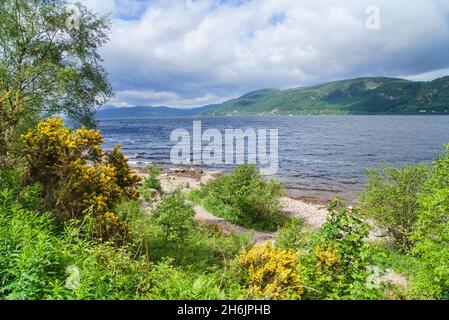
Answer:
(187, 53)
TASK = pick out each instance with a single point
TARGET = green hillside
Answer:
(376, 95)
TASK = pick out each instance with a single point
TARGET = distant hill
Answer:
(148, 112)
(373, 95)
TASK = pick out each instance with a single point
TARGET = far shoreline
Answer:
(276, 115)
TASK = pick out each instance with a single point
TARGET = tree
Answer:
(391, 198)
(49, 62)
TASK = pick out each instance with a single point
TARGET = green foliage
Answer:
(347, 231)
(175, 217)
(29, 196)
(292, 235)
(245, 198)
(10, 114)
(78, 178)
(432, 230)
(412, 204)
(174, 283)
(152, 180)
(206, 249)
(336, 267)
(199, 269)
(420, 282)
(374, 95)
(53, 66)
(34, 257)
(151, 183)
(391, 199)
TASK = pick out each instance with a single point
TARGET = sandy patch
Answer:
(314, 215)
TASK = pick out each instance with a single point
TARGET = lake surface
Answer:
(319, 156)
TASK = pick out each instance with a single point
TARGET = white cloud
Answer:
(128, 98)
(427, 76)
(187, 52)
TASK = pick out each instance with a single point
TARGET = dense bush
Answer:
(126, 179)
(292, 235)
(77, 177)
(40, 261)
(151, 185)
(412, 205)
(35, 257)
(245, 198)
(271, 273)
(152, 180)
(175, 283)
(391, 199)
(432, 232)
(27, 195)
(175, 217)
(336, 267)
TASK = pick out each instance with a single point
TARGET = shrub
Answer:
(432, 231)
(245, 198)
(126, 180)
(35, 257)
(152, 180)
(271, 273)
(77, 177)
(346, 230)
(174, 283)
(336, 268)
(151, 185)
(28, 251)
(175, 217)
(27, 195)
(292, 234)
(391, 199)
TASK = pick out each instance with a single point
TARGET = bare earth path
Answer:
(313, 214)
(208, 218)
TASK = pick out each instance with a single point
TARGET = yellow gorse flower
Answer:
(75, 171)
(272, 273)
(327, 257)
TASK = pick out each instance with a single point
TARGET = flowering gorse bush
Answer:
(78, 178)
(271, 273)
(327, 258)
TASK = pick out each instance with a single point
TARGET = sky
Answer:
(190, 53)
